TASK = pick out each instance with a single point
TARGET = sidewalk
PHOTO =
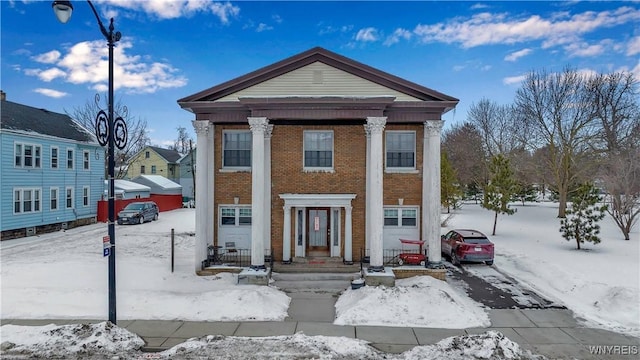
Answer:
(553, 333)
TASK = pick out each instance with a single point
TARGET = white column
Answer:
(348, 241)
(431, 190)
(367, 215)
(210, 187)
(286, 235)
(267, 188)
(201, 242)
(258, 127)
(376, 128)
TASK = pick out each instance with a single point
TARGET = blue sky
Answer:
(171, 49)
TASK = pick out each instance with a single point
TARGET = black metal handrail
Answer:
(216, 255)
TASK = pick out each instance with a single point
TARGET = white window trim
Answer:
(72, 197)
(409, 170)
(236, 209)
(57, 158)
(88, 196)
(86, 159)
(400, 208)
(22, 197)
(333, 153)
(225, 168)
(22, 155)
(73, 159)
(57, 190)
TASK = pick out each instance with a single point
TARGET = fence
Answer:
(389, 256)
(232, 257)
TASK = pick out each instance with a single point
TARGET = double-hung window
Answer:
(85, 196)
(54, 157)
(318, 149)
(26, 200)
(153, 169)
(400, 216)
(53, 198)
(236, 149)
(27, 155)
(401, 150)
(69, 197)
(70, 159)
(235, 215)
(85, 160)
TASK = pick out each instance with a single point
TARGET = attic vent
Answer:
(318, 77)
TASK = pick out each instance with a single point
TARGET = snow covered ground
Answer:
(63, 275)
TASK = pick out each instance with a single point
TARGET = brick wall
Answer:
(288, 176)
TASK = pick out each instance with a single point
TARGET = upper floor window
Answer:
(146, 154)
(153, 169)
(142, 169)
(85, 160)
(236, 149)
(26, 200)
(401, 149)
(27, 155)
(54, 157)
(70, 158)
(318, 149)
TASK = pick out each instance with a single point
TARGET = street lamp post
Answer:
(109, 132)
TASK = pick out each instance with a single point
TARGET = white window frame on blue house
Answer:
(55, 159)
(69, 197)
(86, 195)
(20, 155)
(20, 200)
(86, 155)
(70, 158)
(54, 196)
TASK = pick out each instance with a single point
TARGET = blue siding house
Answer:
(51, 171)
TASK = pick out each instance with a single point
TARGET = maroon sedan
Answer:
(467, 245)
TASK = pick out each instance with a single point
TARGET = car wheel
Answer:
(400, 262)
(155, 217)
(119, 222)
(141, 220)
(454, 258)
(489, 262)
(422, 263)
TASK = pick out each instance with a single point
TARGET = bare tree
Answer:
(463, 145)
(181, 144)
(556, 107)
(136, 137)
(617, 110)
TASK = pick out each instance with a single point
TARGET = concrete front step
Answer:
(315, 268)
(314, 276)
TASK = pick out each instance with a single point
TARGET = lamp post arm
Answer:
(109, 35)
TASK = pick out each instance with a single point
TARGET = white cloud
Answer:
(48, 57)
(517, 54)
(172, 9)
(487, 28)
(277, 18)
(51, 93)
(582, 49)
(633, 47)
(367, 35)
(397, 35)
(457, 68)
(87, 63)
(479, 6)
(514, 79)
(263, 27)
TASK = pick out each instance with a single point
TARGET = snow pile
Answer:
(420, 301)
(103, 341)
(490, 345)
(67, 341)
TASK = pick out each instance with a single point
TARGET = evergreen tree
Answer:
(449, 189)
(580, 223)
(525, 193)
(501, 187)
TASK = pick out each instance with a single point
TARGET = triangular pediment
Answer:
(317, 72)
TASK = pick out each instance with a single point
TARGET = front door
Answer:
(318, 232)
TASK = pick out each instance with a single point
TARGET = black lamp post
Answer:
(109, 132)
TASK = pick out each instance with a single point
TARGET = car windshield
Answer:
(477, 241)
(134, 207)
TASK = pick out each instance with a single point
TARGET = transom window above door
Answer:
(401, 150)
(236, 149)
(318, 150)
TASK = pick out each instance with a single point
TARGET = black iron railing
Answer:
(390, 257)
(216, 255)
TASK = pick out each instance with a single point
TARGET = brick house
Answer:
(317, 155)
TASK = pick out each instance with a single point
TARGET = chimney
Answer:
(3, 95)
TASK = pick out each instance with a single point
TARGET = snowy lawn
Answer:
(600, 283)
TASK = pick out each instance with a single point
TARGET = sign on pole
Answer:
(106, 246)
